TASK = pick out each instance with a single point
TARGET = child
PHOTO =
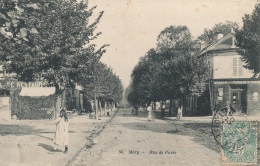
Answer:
(61, 134)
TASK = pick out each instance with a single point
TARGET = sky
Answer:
(131, 27)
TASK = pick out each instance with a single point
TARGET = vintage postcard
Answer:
(129, 82)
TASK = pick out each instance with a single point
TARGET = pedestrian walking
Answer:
(179, 113)
(149, 109)
(61, 136)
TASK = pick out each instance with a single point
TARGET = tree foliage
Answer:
(103, 83)
(48, 39)
(247, 39)
(169, 71)
(210, 35)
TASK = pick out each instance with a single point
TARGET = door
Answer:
(244, 102)
(238, 100)
(235, 100)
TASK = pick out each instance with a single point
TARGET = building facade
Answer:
(34, 100)
(230, 82)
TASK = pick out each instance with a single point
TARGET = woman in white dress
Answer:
(61, 137)
(149, 109)
(179, 113)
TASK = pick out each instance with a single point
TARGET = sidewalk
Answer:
(209, 118)
(28, 142)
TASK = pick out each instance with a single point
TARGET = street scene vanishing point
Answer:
(129, 83)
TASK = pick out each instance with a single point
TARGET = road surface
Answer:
(132, 140)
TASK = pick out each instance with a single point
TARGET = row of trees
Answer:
(104, 85)
(51, 40)
(172, 70)
(169, 71)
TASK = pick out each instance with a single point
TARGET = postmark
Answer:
(239, 143)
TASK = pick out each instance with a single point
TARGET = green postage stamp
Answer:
(239, 143)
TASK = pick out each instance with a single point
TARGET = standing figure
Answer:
(228, 109)
(136, 109)
(179, 113)
(149, 109)
(61, 137)
(163, 109)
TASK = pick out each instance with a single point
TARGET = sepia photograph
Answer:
(129, 82)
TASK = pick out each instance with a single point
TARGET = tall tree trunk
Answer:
(100, 107)
(63, 99)
(96, 108)
(183, 104)
(57, 102)
(105, 109)
(113, 106)
(170, 109)
(57, 106)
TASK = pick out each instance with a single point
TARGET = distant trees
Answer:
(247, 39)
(210, 35)
(171, 71)
(102, 84)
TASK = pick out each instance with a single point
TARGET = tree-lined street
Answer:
(51, 60)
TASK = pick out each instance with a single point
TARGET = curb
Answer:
(91, 137)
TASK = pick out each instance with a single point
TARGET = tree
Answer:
(171, 71)
(210, 35)
(144, 78)
(102, 84)
(49, 40)
(174, 41)
(182, 72)
(247, 40)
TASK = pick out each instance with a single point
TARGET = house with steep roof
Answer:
(229, 80)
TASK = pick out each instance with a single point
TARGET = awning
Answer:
(37, 91)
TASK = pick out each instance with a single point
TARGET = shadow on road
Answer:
(18, 130)
(44, 137)
(200, 132)
(46, 147)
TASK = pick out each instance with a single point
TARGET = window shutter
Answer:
(235, 66)
(240, 67)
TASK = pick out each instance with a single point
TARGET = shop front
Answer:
(242, 95)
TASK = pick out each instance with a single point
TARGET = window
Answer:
(237, 67)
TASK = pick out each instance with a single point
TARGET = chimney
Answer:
(219, 36)
(203, 44)
(233, 42)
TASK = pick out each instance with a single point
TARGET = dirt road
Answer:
(132, 140)
(28, 142)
